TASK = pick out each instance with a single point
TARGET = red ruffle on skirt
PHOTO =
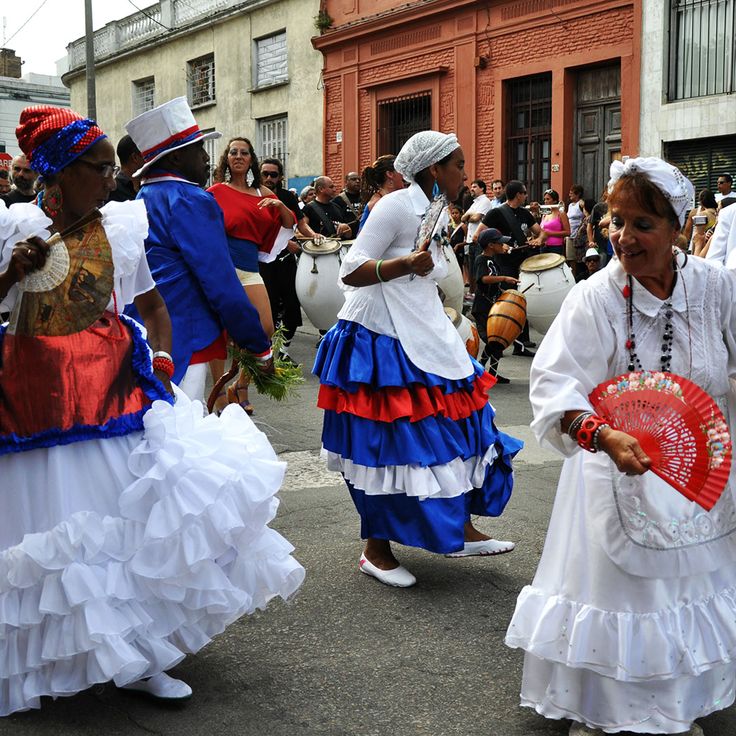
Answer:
(417, 402)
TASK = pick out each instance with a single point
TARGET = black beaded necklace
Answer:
(666, 357)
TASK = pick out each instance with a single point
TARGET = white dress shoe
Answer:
(483, 547)
(399, 577)
(162, 686)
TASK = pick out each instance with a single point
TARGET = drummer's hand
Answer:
(293, 247)
(343, 229)
(510, 280)
(625, 451)
(28, 256)
(419, 262)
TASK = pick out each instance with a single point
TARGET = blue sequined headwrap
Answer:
(61, 149)
(53, 137)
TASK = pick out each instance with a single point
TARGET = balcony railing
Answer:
(153, 22)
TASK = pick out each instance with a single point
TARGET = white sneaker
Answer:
(399, 577)
(483, 547)
(162, 686)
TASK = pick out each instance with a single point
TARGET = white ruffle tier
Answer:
(435, 481)
(147, 546)
(629, 647)
(664, 706)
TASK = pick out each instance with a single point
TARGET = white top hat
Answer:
(164, 129)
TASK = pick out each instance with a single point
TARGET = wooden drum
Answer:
(507, 317)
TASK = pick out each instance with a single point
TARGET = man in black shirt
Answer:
(23, 178)
(515, 221)
(324, 216)
(349, 200)
(279, 276)
(130, 161)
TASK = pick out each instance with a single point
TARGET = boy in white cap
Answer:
(187, 248)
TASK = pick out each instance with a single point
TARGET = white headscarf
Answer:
(675, 186)
(422, 150)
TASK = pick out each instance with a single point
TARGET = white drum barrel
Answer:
(317, 281)
(466, 329)
(545, 281)
(453, 286)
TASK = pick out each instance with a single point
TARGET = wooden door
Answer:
(597, 126)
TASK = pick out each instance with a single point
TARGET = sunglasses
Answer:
(270, 174)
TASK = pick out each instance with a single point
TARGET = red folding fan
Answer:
(677, 424)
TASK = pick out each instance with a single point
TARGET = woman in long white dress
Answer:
(133, 529)
(630, 622)
(407, 417)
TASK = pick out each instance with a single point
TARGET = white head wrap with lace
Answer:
(675, 186)
(422, 150)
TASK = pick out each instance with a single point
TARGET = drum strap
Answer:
(513, 224)
(327, 224)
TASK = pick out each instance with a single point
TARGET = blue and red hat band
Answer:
(175, 141)
(64, 146)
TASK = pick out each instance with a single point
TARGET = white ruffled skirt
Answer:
(607, 642)
(120, 556)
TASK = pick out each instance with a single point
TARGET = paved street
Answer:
(349, 656)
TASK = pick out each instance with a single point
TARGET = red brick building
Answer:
(546, 91)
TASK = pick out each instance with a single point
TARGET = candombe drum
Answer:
(506, 318)
(545, 280)
(466, 329)
(317, 280)
(452, 285)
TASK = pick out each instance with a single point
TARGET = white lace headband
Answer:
(422, 150)
(675, 186)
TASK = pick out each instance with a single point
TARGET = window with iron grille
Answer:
(272, 140)
(143, 95)
(529, 139)
(703, 160)
(400, 117)
(701, 51)
(201, 80)
(270, 64)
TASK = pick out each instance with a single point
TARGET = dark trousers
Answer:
(279, 276)
(492, 351)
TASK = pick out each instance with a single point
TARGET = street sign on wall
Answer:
(5, 159)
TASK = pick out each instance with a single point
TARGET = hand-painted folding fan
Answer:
(677, 424)
(429, 222)
(70, 292)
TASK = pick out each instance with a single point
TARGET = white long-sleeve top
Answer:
(405, 308)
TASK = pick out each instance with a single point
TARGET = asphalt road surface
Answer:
(349, 656)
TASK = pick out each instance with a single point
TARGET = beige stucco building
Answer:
(247, 66)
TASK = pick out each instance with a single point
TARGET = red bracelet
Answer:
(588, 432)
(165, 365)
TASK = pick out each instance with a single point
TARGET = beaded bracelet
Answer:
(165, 365)
(378, 271)
(589, 432)
(163, 354)
(597, 436)
(572, 430)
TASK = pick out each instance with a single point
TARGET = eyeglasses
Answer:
(270, 174)
(104, 170)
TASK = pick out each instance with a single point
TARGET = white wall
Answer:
(700, 117)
